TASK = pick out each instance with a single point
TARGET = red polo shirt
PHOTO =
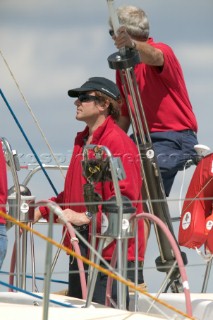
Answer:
(164, 95)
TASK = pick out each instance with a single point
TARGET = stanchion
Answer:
(20, 206)
(116, 211)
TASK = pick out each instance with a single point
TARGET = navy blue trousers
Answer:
(74, 286)
(173, 150)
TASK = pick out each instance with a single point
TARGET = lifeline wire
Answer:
(33, 116)
(27, 140)
(37, 278)
(36, 295)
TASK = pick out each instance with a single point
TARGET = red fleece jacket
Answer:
(120, 145)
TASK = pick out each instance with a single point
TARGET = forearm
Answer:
(37, 215)
(76, 218)
(149, 55)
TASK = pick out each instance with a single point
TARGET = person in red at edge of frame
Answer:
(3, 200)
(98, 105)
(168, 110)
(196, 221)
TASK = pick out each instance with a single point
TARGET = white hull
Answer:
(20, 306)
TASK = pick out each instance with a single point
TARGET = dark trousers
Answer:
(100, 289)
(74, 286)
(173, 150)
(131, 271)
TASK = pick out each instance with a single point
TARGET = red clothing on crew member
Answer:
(120, 145)
(158, 97)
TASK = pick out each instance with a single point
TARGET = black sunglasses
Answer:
(111, 32)
(87, 98)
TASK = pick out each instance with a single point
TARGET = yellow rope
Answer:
(85, 260)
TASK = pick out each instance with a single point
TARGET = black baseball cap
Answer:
(97, 84)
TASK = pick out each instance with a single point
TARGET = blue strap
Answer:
(28, 142)
(36, 295)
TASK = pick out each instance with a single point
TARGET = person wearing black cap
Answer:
(98, 105)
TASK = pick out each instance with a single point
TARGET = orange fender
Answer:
(196, 208)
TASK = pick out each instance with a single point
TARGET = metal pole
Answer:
(48, 271)
(17, 204)
(116, 174)
(91, 287)
(206, 277)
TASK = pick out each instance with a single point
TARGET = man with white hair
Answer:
(168, 110)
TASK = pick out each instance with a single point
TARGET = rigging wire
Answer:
(28, 142)
(32, 114)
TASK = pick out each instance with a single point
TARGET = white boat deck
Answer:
(20, 306)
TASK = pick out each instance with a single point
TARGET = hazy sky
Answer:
(52, 46)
